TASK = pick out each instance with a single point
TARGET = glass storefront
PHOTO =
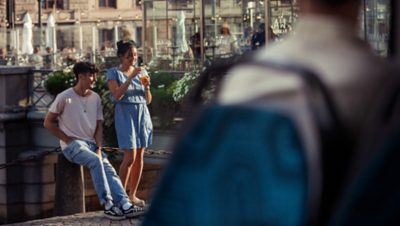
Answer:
(375, 24)
(283, 16)
(169, 36)
(174, 28)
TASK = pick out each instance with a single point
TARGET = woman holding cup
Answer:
(130, 89)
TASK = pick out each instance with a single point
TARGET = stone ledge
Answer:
(46, 159)
(12, 116)
(36, 115)
(15, 70)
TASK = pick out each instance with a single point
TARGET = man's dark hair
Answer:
(84, 67)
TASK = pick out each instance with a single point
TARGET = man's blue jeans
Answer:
(106, 181)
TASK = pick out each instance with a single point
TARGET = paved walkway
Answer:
(82, 219)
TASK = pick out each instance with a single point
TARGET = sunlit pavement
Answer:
(84, 219)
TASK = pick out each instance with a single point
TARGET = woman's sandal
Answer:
(139, 202)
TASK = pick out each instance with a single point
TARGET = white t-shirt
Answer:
(228, 45)
(77, 115)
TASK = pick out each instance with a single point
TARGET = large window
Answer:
(108, 3)
(283, 15)
(50, 4)
(173, 29)
(375, 23)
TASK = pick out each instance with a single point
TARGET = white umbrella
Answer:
(181, 32)
(51, 33)
(27, 47)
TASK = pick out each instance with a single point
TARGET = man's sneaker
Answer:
(133, 211)
(114, 213)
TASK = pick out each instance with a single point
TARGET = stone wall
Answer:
(14, 88)
(78, 4)
(14, 139)
(3, 12)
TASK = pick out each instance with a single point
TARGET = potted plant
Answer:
(59, 81)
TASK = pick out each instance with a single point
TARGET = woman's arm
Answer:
(118, 91)
(147, 91)
(147, 94)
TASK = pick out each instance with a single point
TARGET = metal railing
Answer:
(39, 98)
(154, 154)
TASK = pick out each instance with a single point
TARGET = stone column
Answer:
(64, 184)
(38, 184)
(70, 195)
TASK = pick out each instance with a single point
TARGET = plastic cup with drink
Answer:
(144, 76)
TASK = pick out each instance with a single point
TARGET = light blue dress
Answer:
(132, 118)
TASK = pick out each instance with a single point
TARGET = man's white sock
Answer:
(126, 206)
(108, 204)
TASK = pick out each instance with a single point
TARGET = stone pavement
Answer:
(95, 218)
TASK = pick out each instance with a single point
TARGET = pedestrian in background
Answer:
(3, 60)
(36, 59)
(130, 88)
(227, 43)
(48, 58)
(258, 38)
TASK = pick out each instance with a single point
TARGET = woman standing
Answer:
(227, 43)
(130, 89)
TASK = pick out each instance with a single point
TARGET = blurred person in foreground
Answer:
(326, 41)
(75, 117)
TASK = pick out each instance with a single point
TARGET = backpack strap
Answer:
(372, 197)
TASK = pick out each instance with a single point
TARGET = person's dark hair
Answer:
(124, 46)
(221, 30)
(84, 67)
(261, 27)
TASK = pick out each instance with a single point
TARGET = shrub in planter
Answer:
(163, 105)
(59, 81)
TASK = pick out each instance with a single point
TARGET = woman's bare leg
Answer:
(135, 175)
(126, 167)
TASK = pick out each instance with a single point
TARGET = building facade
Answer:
(80, 24)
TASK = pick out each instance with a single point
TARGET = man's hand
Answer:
(51, 123)
(68, 140)
(98, 152)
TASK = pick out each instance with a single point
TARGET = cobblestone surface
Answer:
(82, 219)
